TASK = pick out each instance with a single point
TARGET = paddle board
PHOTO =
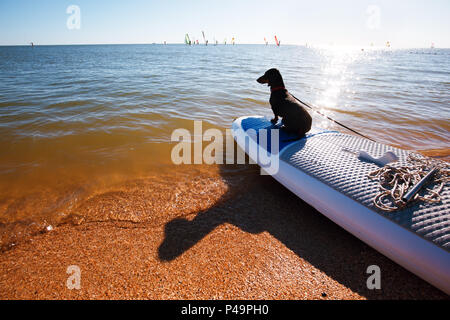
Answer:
(320, 170)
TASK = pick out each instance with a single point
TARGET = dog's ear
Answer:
(271, 77)
(274, 77)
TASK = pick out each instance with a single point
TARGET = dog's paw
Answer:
(274, 121)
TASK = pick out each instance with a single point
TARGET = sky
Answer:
(404, 23)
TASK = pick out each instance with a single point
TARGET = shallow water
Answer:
(78, 121)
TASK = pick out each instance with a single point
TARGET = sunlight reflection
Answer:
(336, 76)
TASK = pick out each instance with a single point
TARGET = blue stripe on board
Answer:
(285, 138)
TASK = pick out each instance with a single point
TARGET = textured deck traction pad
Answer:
(322, 157)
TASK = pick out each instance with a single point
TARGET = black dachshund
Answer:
(295, 118)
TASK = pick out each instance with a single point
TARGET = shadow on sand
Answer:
(262, 204)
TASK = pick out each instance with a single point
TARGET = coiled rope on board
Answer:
(396, 179)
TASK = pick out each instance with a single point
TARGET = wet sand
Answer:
(201, 234)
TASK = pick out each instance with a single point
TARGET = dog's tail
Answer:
(301, 136)
(291, 140)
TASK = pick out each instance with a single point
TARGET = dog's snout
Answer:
(262, 79)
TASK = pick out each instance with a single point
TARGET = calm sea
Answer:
(76, 119)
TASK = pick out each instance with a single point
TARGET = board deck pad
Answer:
(321, 155)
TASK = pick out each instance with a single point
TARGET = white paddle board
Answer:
(320, 170)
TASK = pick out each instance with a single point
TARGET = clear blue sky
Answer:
(405, 23)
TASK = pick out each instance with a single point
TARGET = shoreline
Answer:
(248, 239)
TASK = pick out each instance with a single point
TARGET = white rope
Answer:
(396, 179)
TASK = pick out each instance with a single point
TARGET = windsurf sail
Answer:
(276, 41)
(232, 40)
(265, 41)
(204, 38)
(187, 40)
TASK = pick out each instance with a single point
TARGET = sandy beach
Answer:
(232, 239)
